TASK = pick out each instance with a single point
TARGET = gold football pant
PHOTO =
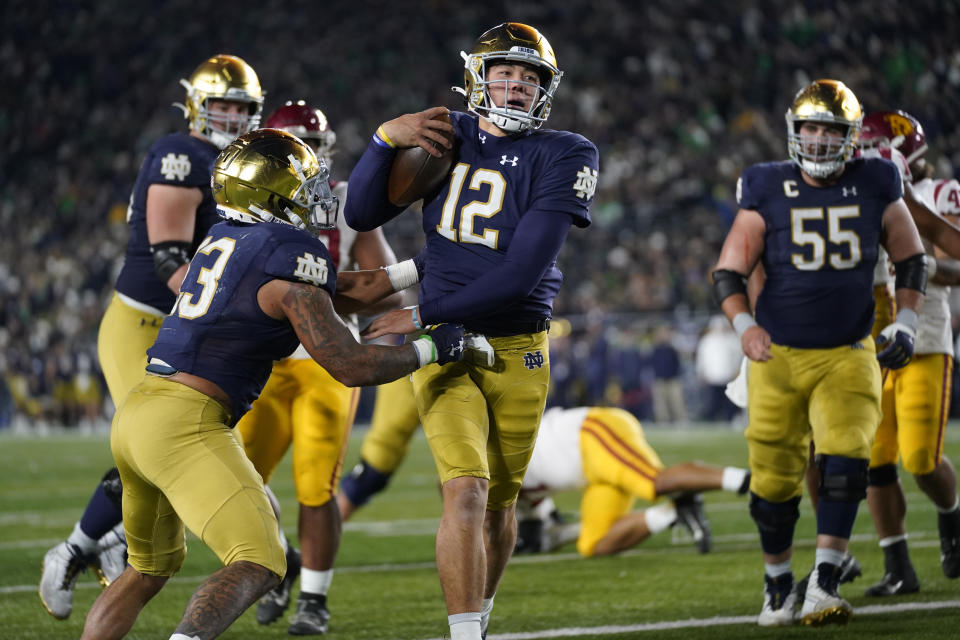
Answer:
(915, 414)
(181, 464)
(619, 466)
(394, 421)
(483, 422)
(832, 395)
(304, 406)
(123, 339)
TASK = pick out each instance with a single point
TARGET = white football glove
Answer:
(479, 349)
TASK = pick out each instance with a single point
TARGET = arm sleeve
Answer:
(368, 207)
(534, 247)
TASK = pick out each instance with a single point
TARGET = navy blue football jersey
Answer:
(217, 330)
(179, 160)
(821, 245)
(470, 222)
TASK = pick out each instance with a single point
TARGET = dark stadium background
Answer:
(679, 96)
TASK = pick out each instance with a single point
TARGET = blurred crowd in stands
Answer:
(678, 95)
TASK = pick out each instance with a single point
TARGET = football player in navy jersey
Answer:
(304, 408)
(493, 232)
(815, 224)
(259, 284)
(171, 209)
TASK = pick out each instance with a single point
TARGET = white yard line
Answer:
(703, 622)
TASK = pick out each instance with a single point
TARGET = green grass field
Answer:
(386, 587)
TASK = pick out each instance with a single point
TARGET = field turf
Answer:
(385, 585)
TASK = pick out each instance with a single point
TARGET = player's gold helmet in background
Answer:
(269, 175)
(514, 43)
(222, 77)
(829, 102)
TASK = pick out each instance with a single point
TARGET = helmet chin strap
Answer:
(510, 125)
(821, 169)
(219, 139)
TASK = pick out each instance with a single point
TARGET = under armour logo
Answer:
(851, 192)
(586, 183)
(531, 360)
(311, 270)
(483, 138)
(505, 160)
(175, 166)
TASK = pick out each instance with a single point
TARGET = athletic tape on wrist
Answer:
(426, 350)
(743, 321)
(402, 275)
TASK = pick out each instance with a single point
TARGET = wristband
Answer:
(415, 315)
(426, 350)
(381, 136)
(402, 275)
(908, 318)
(741, 322)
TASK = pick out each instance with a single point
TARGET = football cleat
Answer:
(111, 556)
(311, 618)
(61, 566)
(822, 605)
(849, 569)
(275, 602)
(690, 514)
(892, 584)
(779, 602)
(949, 526)
(950, 557)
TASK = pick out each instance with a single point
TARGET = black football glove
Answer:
(896, 344)
(447, 342)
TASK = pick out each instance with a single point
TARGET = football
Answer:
(416, 174)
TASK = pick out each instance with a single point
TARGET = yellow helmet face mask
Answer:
(510, 43)
(269, 175)
(825, 102)
(227, 78)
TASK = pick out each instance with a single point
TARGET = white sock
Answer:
(733, 478)
(486, 606)
(889, 540)
(82, 540)
(660, 517)
(774, 570)
(956, 505)
(465, 626)
(830, 556)
(180, 636)
(315, 581)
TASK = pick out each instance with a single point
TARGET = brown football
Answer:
(416, 174)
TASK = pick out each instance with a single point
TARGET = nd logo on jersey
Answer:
(175, 166)
(586, 183)
(311, 270)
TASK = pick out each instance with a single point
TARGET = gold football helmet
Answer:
(830, 102)
(516, 43)
(222, 77)
(269, 175)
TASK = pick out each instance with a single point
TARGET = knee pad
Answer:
(112, 487)
(842, 479)
(775, 521)
(882, 476)
(363, 483)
